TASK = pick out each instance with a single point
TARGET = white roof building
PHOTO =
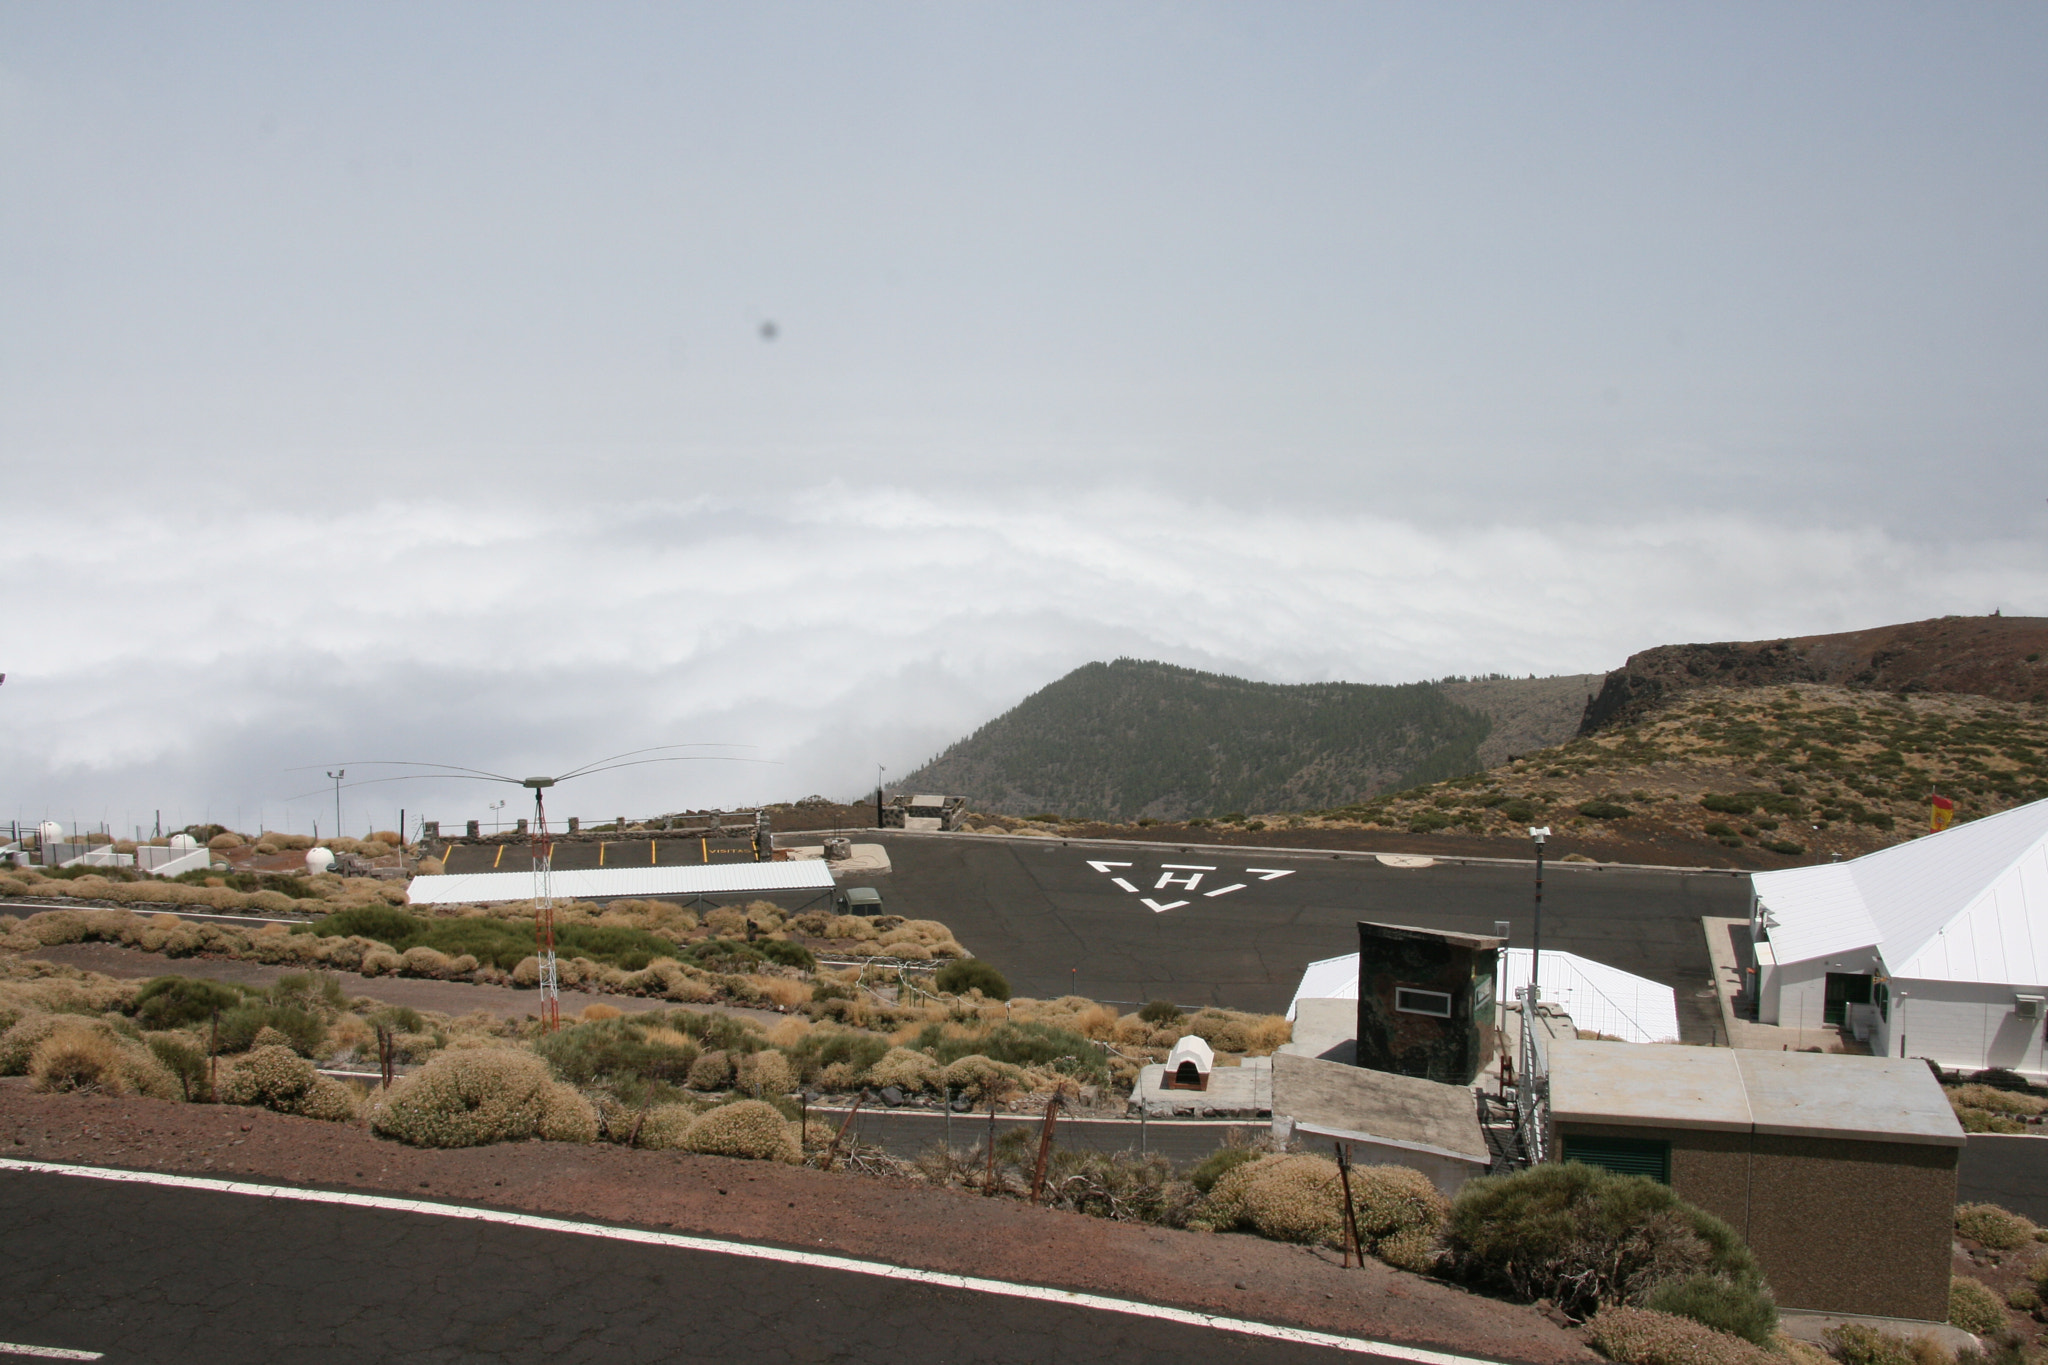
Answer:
(1954, 924)
(612, 883)
(1599, 998)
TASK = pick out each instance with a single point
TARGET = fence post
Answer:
(1351, 1246)
(1052, 1109)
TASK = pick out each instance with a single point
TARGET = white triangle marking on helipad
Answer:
(1225, 890)
(1170, 905)
(1104, 867)
(1125, 885)
(1267, 874)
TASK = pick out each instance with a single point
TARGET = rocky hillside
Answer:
(1716, 776)
(1987, 656)
(1132, 739)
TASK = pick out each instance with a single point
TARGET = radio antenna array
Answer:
(541, 843)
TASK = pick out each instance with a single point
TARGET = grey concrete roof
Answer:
(1333, 1098)
(1879, 1099)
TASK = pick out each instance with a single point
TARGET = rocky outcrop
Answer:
(1992, 656)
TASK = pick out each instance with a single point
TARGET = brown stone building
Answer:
(1425, 1001)
(1839, 1171)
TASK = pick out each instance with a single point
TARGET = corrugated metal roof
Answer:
(1598, 997)
(1969, 904)
(612, 883)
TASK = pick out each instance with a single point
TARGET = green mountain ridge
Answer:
(1134, 739)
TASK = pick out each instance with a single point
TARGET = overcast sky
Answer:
(507, 386)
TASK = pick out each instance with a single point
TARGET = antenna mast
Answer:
(544, 908)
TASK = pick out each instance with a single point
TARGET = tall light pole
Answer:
(337, 775)
(1539, 834)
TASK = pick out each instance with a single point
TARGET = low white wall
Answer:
(1794, 995)
(1964, 1027)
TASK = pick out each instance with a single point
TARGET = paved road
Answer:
(1240, 934)
(2011, 1172)
(145, 1274)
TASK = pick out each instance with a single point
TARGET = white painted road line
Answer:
(716, 1246)
(9, 1348)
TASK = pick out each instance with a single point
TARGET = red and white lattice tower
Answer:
(544, 908)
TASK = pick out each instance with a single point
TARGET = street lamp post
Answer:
(1539, 834)
(337, 775)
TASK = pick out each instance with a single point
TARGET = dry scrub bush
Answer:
(1400, 1213)
(711, 1071)
(851, 927)
(1232, 1031)
(1286, 1198)
(379, 960)
(85, 1054)
(979, 1078)
(665, 1126)
(1973, 1306)
(19, 1043)
(726, 922)
(1639, 1336)
(781, 990)
(475, 1096)
(789, 1032)
(1856, 1343)
(750, 1128)
(1991, 1226)
(225, 841)
(765, 1073)
(275, 1077)
(908, 1070)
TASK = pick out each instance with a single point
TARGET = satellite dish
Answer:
(319, 860)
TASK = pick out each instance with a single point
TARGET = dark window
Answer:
(1624, 1156)
(1411, 1001)
(1881, 996)
(1843, 990)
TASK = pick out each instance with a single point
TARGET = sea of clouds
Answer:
(211, 658)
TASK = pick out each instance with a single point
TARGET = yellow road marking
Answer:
(652, 855)
(600, 853)
(500, 858)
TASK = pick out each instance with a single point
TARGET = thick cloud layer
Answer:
(193, 657)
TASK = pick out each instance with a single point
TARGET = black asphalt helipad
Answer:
(1209, 925)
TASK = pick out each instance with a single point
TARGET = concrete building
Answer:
(1425, 1001)
(1936, 948)
(1839, 1171)
(1382, 1119)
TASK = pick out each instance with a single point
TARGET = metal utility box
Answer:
(1425, 1001)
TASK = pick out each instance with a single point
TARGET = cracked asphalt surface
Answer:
(150, 1274)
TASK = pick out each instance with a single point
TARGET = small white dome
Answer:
(319, 860)
(51, 832)
(184, 841)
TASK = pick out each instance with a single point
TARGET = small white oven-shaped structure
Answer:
(1188, 1065)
